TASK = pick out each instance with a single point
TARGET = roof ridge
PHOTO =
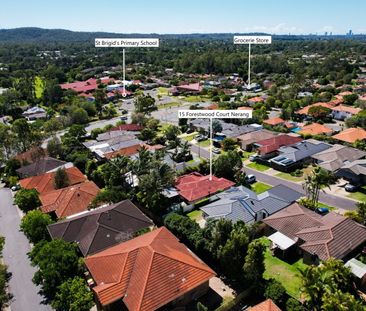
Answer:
(131, 216)
(72, 196)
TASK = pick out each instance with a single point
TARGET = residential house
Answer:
(87, 86)
(317, 237)
(354, 172)
(31, 155)
(315, 129)
(34, 113)
(242, 204)
(247, 140)
(255, 100)
(268, 148)
(294, 156)
(128, 128)
(194, 186)
(343, 112)
(277, 121)
(267, 305)
(228, 129)
(46, 182)
(305, 110)
(41, 166)
(337, 156)
(147, 273)
(192, 88)
(98, 229)
(70, 200)
(351, 135)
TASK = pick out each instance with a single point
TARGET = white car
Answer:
(251, 179)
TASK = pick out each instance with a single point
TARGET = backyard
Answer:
(288, 274)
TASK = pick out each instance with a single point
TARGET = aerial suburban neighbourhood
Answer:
(183, 156)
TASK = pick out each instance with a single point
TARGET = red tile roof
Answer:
(274, 121)
(69, 201)
(267, 305)
(85, 86)
(272, 144)
(315, 129)
(31, 155)
(46, 182)
(146, 272)
(305, 110)
(349, 109)
(195, 87)
(351, 135)
(257, 99)
(128, 127)
(195, 186)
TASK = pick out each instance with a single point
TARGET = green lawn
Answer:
(205, 143)
(38, 86)
(358, 195)
(289, 177)
(189, 137)
(287, 274)
(258, 167)
(195, 98)
(168, 105)
(195, 215)
(163, 91)
(259, 187)
(247, 154)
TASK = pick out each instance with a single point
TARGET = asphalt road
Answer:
(326, 198)
(25, 293)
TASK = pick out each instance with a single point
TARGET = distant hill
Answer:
(34, 34)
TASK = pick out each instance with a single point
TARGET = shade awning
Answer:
(281, 241)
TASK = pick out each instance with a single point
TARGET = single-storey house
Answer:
(351, 135)
(34, 113)
(70, 200)
(315, 129)
(354, 172)
(242, 204)
(103, 227)
(268, 148)
(343, 112)
(337, 156)
(46, 182)
(194, 186)
(147, 273)
(316, 237)
(41, 166)
(294, 156)
(247, 140)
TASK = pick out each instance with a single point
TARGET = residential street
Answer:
(25, 293)
(326, 198)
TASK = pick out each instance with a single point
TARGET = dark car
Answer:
(351, 188)
(322, 210)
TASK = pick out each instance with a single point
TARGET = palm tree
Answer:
(315, 182)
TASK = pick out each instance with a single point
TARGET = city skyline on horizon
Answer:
(162, 17)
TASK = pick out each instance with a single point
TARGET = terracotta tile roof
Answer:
(195, 186)
(257, 99)
(46, 182)
(332, 235)
(245, 108)
(351, 135)
(69, 201)
(128, 127)
(146, 272)
(348, 109)
(85, 86)
(274, 121)
(252, 137)
(305, 110)
(267, 305)
(315, 129)
(272, 144)
(195, 87)
(128, 151)
(101, 228)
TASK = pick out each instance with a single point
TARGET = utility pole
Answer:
(249, 66)
(210, 148)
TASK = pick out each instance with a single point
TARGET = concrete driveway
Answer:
(26, 297)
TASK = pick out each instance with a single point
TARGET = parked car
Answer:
(123, 118)
(15, 188)
(322, 210)
(351, 188)
(200, 138)
(251, 179)
(253, 157)
(216, 150)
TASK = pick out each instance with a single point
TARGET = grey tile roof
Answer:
(240, 203)
(40, 167)
(101, 228)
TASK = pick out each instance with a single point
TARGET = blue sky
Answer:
(188, 16)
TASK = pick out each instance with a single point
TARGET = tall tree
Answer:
(34, 225)
(145, 104)
(73, 295)
(254, 262)
(27, 199)
(61, 178)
